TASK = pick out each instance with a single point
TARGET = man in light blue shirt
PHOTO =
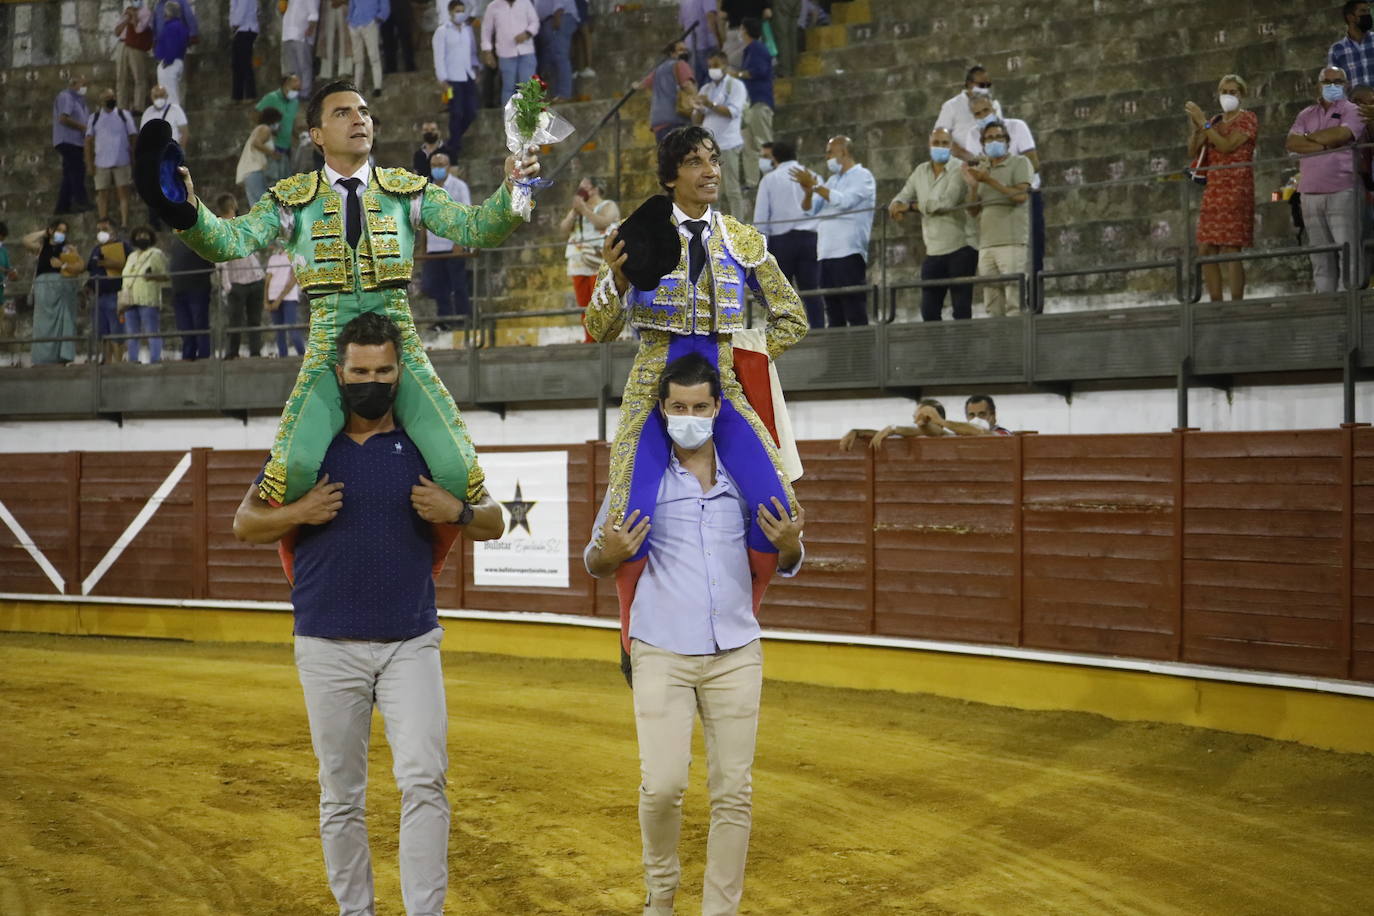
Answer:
(455, 66)
(845, 203)
(695, 639)
(243, 22)
(791, 230)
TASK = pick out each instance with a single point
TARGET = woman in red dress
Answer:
(1226, 223)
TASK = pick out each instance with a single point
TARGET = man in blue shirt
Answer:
(1354, 53)
(695, 639)
(757, 73)
(365, 622)
(845, 202)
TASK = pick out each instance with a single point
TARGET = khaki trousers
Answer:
(757, 126)
(669, 691)
(366, 50)
(731, 200)
(1001, 259)
(131, 77)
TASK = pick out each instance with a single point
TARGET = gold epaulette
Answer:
(401, 181)
(296, 191)
(745, 243)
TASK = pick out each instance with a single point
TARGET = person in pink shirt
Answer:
(508, 30)
(1328, 183)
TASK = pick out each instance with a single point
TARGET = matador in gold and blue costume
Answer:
(680, 317)
(344, 281)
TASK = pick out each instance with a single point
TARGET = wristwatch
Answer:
(465, 517)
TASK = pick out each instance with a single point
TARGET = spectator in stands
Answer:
(557, 22)
(187, 12)
(444, 277)
(734, 13)
(999, 188)
(937, 191)
(1226, 220)
(929, 421)
(258, 154)
(588, 220)
(956, 114)
(1354, 53)
(54, 293)
(110, 136)
(169, 47)
(286, 99)
(845, 203)
(69, 119)
(243, 23)
(791, 231)
(146, 274)
(430, 143)
(1326, 183)
(365, 18)
(135, 32)
(582, 41)
(163, 107)
(298, 24)
(720, 108)
(336, 52)
(281, 298)
(190, 298)
(707, 36)
(456, 68)
(398, 35)
(757, 74)
(241, 284)
(673, 76)
(104, 266)
(1022, 144)
(981, 411)
(7, 271)
(508, 30)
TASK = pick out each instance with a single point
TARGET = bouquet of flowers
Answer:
(529, 122)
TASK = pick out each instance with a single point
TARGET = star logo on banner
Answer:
(519, 509)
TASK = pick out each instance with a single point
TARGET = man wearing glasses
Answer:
(956, 114)
(998, 190)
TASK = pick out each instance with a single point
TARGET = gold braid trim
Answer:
(744, 242)
(401, 181)
(296, 191)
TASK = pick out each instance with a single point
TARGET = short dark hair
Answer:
(671, 46)
(370, 329)
(689, 370)
(143, 230)
(288, 75)
(269, 116)
(976, 68)
(676, 145)
(225, 201)
(990, 125)
(315, 107)
(975, 398)
(1350, 7)
(718, 54)
(4, 227)
(453, 3)
(784, 150)
(931, 402)
(752, 27)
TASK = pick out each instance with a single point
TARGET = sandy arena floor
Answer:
(141, 777)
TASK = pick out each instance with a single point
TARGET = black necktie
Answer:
(354, 224)
(696, 251)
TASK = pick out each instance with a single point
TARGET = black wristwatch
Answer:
(465, 517)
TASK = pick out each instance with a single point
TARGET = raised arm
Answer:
(472, 227)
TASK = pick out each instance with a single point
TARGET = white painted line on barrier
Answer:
(1169, 669)
(27, 543)
(147, 512)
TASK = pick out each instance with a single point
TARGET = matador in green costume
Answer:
(349, 230)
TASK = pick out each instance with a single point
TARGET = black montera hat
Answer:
(156, 160)
(652, 244)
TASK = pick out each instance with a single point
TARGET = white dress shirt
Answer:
(297, 18)
(455, 52)
(956, 116)
(458, 190)
(778, 207)
(729, 93)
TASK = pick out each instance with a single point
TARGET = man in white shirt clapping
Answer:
(720, 109)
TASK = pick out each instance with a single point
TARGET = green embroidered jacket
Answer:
(314, 229)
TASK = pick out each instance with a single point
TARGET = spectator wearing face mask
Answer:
(999, 189)
(1354, 53)
(928, 421)
(173, 37)
(1226, 220)
(104, 266)
(241, 282)
(791, 231)
(757, 74)
(456, 68)
(145, 274)
(110, 136)
(298, 26)
(243, 23)
(672, 76)
(69, 118)
(54, 293)
(719, 109)
(430, 143)
(1327, 183)
(588, 220)
(444, 274)
(708, 35)
(135, 33)
(844, 202)
(1022, 143)
(956, 114)
(286, 99)
(937, 191)
(281, 299)
(163, 107)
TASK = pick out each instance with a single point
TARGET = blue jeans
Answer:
(192, 308)
(143, 319)
(287, 315)
(514, 71)
(108, 309)
(555, 56)
(255, 185)
(462, 111)
(445, 280)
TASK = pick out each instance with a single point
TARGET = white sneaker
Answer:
(587, 74)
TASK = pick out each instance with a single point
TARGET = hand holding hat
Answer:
(160, 176)
(647, 242)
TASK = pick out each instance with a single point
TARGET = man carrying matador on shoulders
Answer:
(349, 230)
(679, 272)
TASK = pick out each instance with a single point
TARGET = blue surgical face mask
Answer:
(690, 432)
(985, 120)
(939, 154)
(833, 165)
(1333, 92)
(59, 237)
(440, 174)
(995, 149)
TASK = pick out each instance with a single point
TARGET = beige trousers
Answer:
(669, 691)
(1001, 259)
(731, 200)
(365, 47)
(757, 127)
(131, 77)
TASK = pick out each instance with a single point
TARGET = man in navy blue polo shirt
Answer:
(365, 622)
(756, 72)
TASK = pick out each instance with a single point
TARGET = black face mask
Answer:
(109, 104)
(141, 243)
(431, 138)
(684, 56)
(369, 400)
(1365, 22)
